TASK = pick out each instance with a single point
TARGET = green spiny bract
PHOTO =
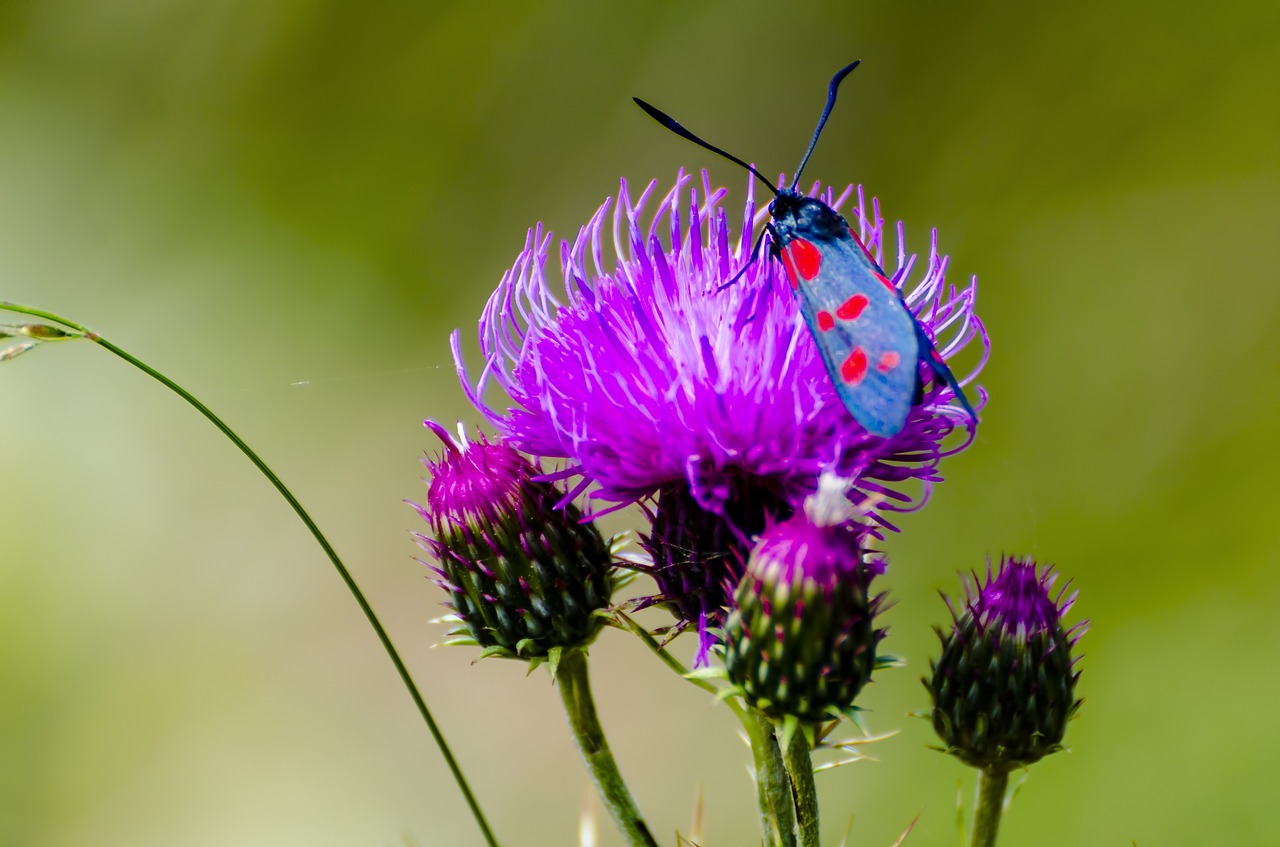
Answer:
(801, 639)
(525, 574)
(1003, 688)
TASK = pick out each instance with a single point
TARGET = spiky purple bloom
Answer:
(524, 573)
(1003, 688)
(711, 407)
(801, 638)
(1017, 599)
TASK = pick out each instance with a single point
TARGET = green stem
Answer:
(800, 768)
(629, 623)
(580, 708)
(992, 783)
(773, 787)
(311, 527)
(773, 791)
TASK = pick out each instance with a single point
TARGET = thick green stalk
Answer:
(992, 783)
(315, 533)
(800, 768)
(580, 708)
(773, 787)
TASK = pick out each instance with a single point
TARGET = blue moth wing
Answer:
(869, 341)
(938, 365)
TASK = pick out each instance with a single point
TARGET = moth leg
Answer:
(755, 254)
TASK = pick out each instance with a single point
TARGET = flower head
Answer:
(801, 640)
(524, 573)
(652, 383)
(1004, 687)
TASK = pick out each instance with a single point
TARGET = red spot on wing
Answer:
(789, 263)
(851, 308)
(854, 367)
(887, 283)
(888, 362)
(825, 321)
(805, 258)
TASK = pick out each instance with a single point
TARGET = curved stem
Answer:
(580, 708)
(773, 787)
(629, 623)
(990, 805)
(800, 768)
(311, 527)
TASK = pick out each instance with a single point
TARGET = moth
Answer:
(871, 343)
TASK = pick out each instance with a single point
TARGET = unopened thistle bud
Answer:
(524, 573)
(801, 639)
(1004, 687)
(697, 556)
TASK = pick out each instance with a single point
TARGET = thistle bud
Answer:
(1004, 687)
(524, 573)
(801, 640)
(697, 556)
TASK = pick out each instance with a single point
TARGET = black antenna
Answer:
(822, 121)
(671, 124)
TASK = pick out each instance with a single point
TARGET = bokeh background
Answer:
(288, 205)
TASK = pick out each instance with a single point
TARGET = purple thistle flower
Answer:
(1017, 600)
(1003, 688)
(525, 574)
(473, 482)
(711, 407)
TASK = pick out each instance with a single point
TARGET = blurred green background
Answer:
(288, 205)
